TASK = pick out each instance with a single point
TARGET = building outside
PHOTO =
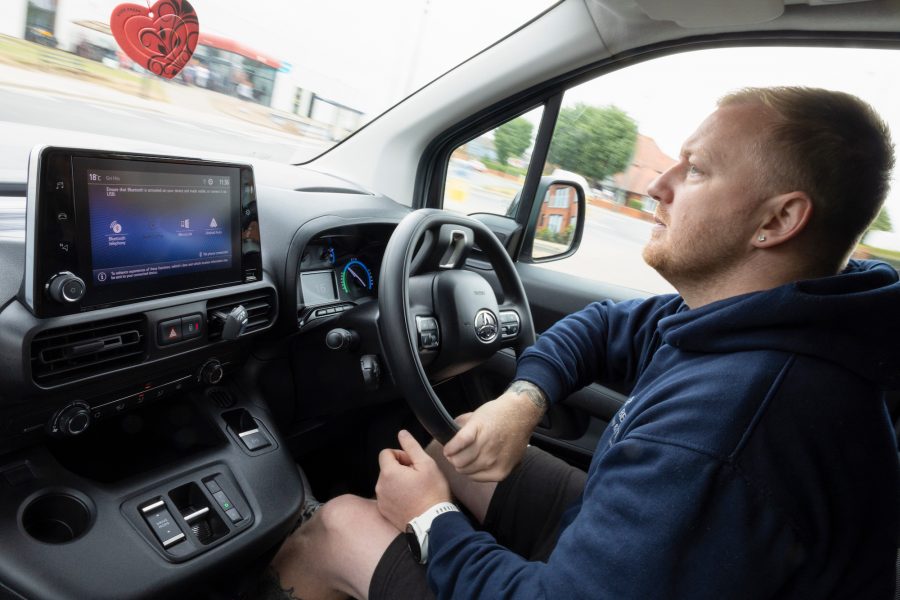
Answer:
(559, 209)
(647, 163)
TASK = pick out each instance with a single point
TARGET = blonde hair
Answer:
(832, 146)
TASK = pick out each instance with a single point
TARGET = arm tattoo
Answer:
(269, 587)
(533, 392)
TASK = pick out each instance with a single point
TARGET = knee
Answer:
(341, 517)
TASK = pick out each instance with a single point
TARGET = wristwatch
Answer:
(418, 529)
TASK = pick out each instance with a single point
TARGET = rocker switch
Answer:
(163, 525)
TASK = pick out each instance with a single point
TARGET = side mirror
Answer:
(557, 221)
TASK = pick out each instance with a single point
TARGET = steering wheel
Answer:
(437, 320)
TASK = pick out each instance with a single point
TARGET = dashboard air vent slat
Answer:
(260, 308)
(77, 351)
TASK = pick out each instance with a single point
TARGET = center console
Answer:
(160, 502)
(126, 450)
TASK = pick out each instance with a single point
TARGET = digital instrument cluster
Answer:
(338, 268)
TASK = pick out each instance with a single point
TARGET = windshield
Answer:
(280, 80)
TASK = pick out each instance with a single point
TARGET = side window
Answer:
(598, 144)
(617, 133)
(487, 173)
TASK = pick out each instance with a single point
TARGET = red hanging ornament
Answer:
(161, 38)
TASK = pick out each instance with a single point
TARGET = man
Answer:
(754, 457)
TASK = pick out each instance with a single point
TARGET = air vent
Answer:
(78, 351)
(260, 307)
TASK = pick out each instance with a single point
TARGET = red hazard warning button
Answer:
(169, 332)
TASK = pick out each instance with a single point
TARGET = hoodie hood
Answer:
(851, 319)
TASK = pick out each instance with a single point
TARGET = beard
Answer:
(699, 255)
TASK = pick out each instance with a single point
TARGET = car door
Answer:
(610, 132)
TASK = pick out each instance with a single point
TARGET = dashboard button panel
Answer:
(191, 326)
(169, 332)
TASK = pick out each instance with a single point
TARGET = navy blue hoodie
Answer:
(753, 459)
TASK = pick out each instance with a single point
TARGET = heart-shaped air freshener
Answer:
(160, 38)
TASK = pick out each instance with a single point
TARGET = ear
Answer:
(784, 217)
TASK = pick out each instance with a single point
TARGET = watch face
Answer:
(412, 540)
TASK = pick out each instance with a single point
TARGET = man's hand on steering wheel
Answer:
(492, 439)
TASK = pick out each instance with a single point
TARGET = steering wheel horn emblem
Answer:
(486, 328)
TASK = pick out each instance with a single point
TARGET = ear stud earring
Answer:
(761, 238)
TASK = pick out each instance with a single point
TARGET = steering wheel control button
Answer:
(191, 326)
(429, 333)
(509, 324)
(169, 332)
(254, 439)
(486, 329)
(162, 524)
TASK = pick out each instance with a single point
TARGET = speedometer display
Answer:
(356, 279)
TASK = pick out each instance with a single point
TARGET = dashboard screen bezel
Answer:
(54, 191)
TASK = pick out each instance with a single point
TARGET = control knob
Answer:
(65, 287)
(70, 420)
(211, 372)
(341, 339)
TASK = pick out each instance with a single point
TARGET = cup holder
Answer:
(56, 518)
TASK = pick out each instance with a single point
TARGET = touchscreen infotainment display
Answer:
(149, 225)
(119, 227)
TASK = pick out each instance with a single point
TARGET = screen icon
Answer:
(101, 276)
(116, 227)
(213, 223)
(185, 223)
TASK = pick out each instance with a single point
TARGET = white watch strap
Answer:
(422, 524)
